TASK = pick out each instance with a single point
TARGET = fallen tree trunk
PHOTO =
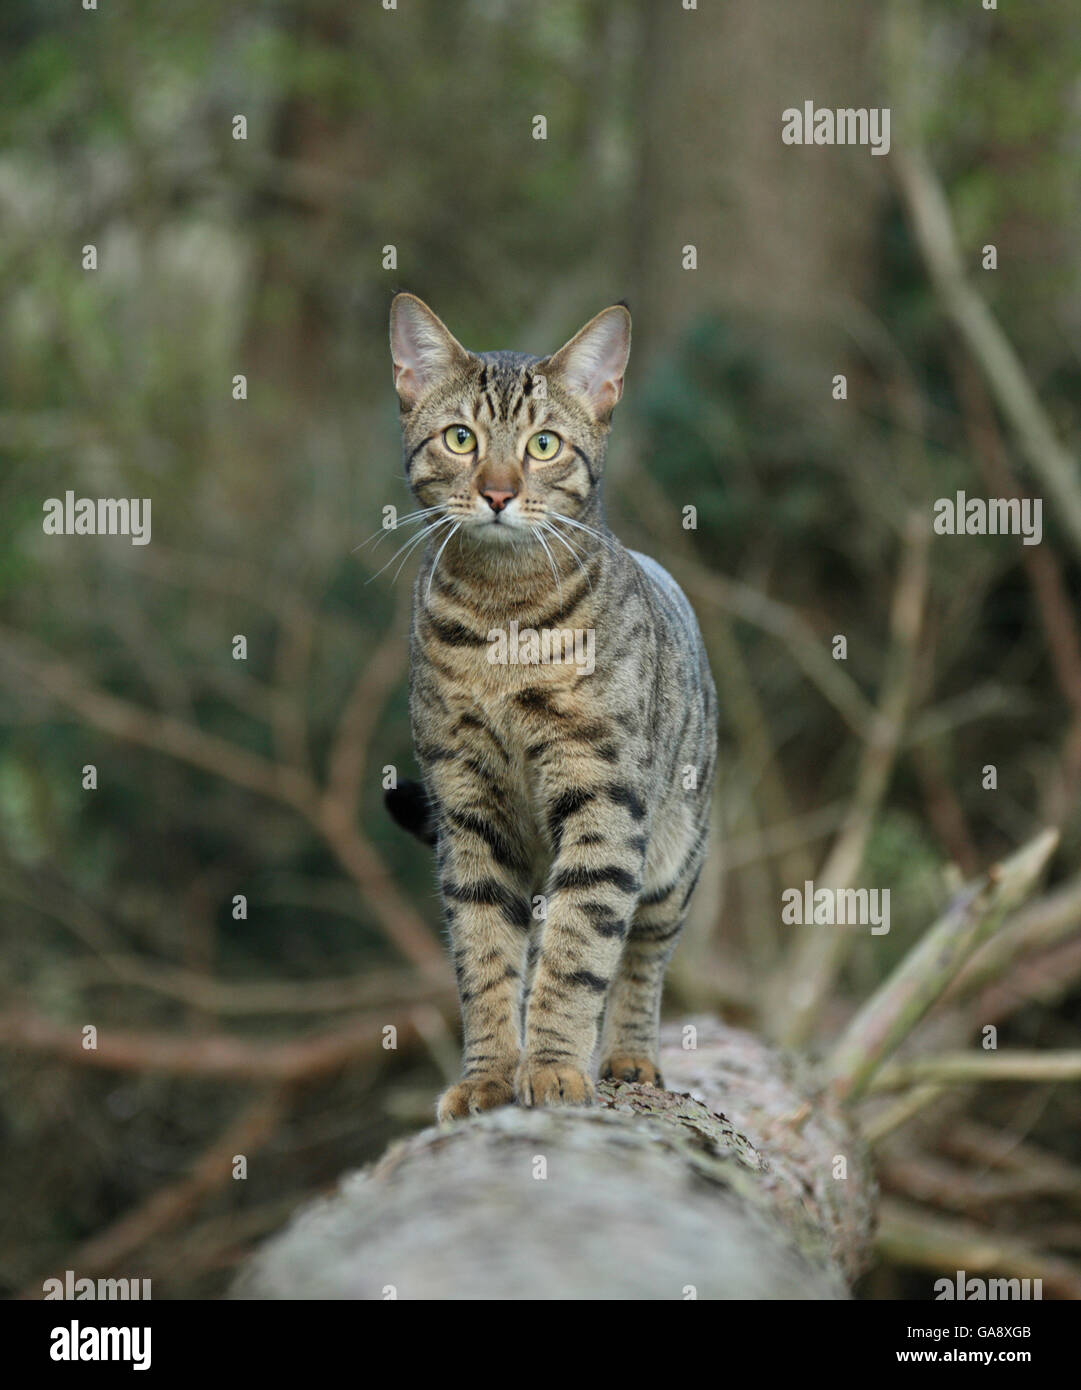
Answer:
(744, 1180)
(748, 1178)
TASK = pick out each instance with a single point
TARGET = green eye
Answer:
(459, 439)
(543, 445)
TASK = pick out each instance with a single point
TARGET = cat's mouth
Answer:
(499, 528)
(502, 523)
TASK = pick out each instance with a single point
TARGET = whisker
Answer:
(428, 530)
(567, 546)
(560, 537)
(402, 520)
(589, 531)
(435, 566)
(416, 541)
(547, 550)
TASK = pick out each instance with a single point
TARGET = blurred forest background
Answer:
(413, 128)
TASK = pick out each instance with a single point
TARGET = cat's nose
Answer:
(496, 499)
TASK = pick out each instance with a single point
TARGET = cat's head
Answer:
(501, 440)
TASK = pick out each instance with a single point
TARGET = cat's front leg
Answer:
(594, 884)
(485, 881)
(489, 922)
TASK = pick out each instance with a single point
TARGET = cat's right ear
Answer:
(422, 348)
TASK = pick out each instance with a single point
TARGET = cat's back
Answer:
(663, 582)
(670, 600)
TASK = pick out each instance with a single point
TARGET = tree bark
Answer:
(744, 1180)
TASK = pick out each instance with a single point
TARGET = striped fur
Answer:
(589, 791)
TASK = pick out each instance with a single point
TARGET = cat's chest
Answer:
(519, 686)
(516, 675)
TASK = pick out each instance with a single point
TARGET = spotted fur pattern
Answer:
(569, 811)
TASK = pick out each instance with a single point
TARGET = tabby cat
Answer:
(568, 806)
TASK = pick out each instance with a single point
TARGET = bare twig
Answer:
(239, 998)
(289, 785)
(903, 999)
(1057, 610)
(173, 1203)
(944, 809)
(808, 975)
(1001, 1150)
(1035, 928)
(380, 673)
(943, 1183)
(1051, 462)
(961, 1068)
(781, 621)
(1043, 979)
(876, 1127)
(160, 732)
(909, 1235)
(210, 1054)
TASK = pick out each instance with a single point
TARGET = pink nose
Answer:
(498, 500)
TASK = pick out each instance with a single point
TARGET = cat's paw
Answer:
(552, 1083)
(629, 1066)
(474, 1094)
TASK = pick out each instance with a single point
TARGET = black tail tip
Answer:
(409, 806)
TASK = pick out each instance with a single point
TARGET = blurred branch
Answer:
(876, 1127)
(235, 577)
(1036, 927)
(762, 782)
(909, 1235)
(288, 785)
(957, 1068)
(929, 213)
(928, 1177)
(945, 811)
(160, 732)
(983, 700)
(803, 644)
(1044, 979)
(292, 659)
(777, 840)
(237, 998)
(993, 1148)
(1057, 609)
(172, 1204)
(209, 1054)
(891, 1013)
(379, 675)
(219, 1241)
(809, 973)
(197, 989)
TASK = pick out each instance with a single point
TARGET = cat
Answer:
(569, 809)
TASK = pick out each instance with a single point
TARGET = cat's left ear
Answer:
(592, 364)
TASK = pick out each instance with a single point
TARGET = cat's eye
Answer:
(459, 439)
(543, 445)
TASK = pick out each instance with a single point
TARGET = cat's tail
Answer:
(409, 805)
